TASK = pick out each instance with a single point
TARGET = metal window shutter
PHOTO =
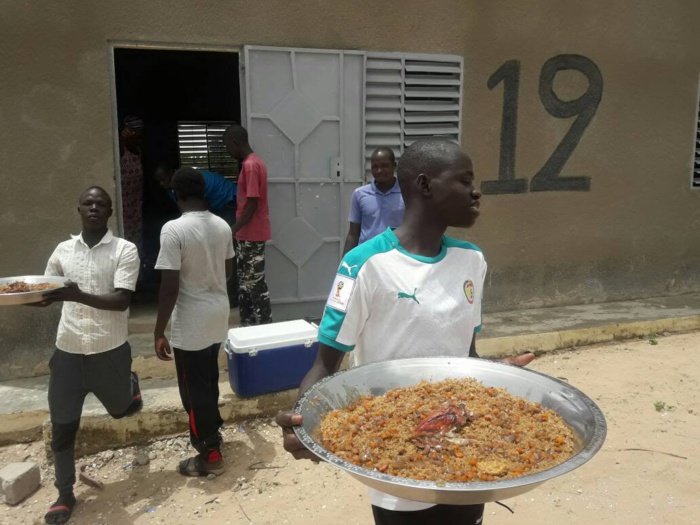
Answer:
(432, 98)
(409, 97)
(201, 147)
(383, 105)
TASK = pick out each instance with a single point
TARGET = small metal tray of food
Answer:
(578, 412)
(28, 289)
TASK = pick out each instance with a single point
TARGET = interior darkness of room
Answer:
(163, 88)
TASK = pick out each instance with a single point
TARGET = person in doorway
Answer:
(196, 259)
(92, 352)
(251, 229)
(378, 205)
(409, 284)
(130, 138)
(220, 194)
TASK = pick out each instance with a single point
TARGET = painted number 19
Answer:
(583, 108)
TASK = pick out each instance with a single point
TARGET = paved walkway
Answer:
(23, 406)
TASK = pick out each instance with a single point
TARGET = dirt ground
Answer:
(646, 473)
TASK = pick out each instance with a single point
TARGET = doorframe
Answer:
(112, 45)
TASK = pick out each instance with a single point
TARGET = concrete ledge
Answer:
(24, 408)
(148, 366)
(162, 415)
(549, 341)
(22, 427)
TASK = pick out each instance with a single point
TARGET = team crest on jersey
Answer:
(469, 290)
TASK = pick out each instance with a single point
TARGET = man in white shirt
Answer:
(92, 353)
(409, 292)
(196, 259)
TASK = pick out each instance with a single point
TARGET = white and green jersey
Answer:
(387, 303)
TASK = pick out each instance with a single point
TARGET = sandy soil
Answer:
(649, 393)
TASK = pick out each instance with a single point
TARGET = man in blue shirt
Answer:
(220, 194)
(376, 206)
(219, 191)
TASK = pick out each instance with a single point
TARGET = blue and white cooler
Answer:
(270, 357)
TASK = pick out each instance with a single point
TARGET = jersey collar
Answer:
(421, 258)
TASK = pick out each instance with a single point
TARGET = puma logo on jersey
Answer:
(343, 264)
(404, 295)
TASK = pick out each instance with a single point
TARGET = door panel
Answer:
(304, 115)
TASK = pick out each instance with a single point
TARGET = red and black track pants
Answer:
(198, 379)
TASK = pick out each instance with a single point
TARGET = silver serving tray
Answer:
(341, 389)
(29, 297)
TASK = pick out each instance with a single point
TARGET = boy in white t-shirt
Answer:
(196, 259)
(409, 292)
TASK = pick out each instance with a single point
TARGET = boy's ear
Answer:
(423, 183)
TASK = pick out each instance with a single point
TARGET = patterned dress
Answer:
(132, 197)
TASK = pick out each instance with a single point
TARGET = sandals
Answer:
(196, 466)
(61, 511)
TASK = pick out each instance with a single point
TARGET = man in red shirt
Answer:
(251, 229)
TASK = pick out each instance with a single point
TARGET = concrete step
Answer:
(148, 366)
(142, 320)
(24, 413)
(504, 333)
(24, 408)
(546, 329)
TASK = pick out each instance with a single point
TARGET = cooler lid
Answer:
(272, 335)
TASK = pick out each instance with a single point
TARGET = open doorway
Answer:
(185, 99)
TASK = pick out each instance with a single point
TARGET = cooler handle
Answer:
(229, 351)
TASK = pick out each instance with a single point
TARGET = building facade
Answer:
(581, 119)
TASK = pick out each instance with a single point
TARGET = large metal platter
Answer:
(28, 297)
(341, 389)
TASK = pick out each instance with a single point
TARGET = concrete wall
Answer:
(633, 234)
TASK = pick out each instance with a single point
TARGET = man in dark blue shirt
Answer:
(220, 194)
(219, 191)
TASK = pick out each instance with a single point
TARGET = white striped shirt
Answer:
(112, 263)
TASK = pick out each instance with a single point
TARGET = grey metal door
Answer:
(304, 114)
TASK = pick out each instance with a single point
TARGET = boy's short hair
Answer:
(426, 156)
(103, 191)
(235, 132)
(188, 183)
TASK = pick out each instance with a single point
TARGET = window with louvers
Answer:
(411, 97)
(201, 148)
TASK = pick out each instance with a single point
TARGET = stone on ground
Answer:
(18, 481)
